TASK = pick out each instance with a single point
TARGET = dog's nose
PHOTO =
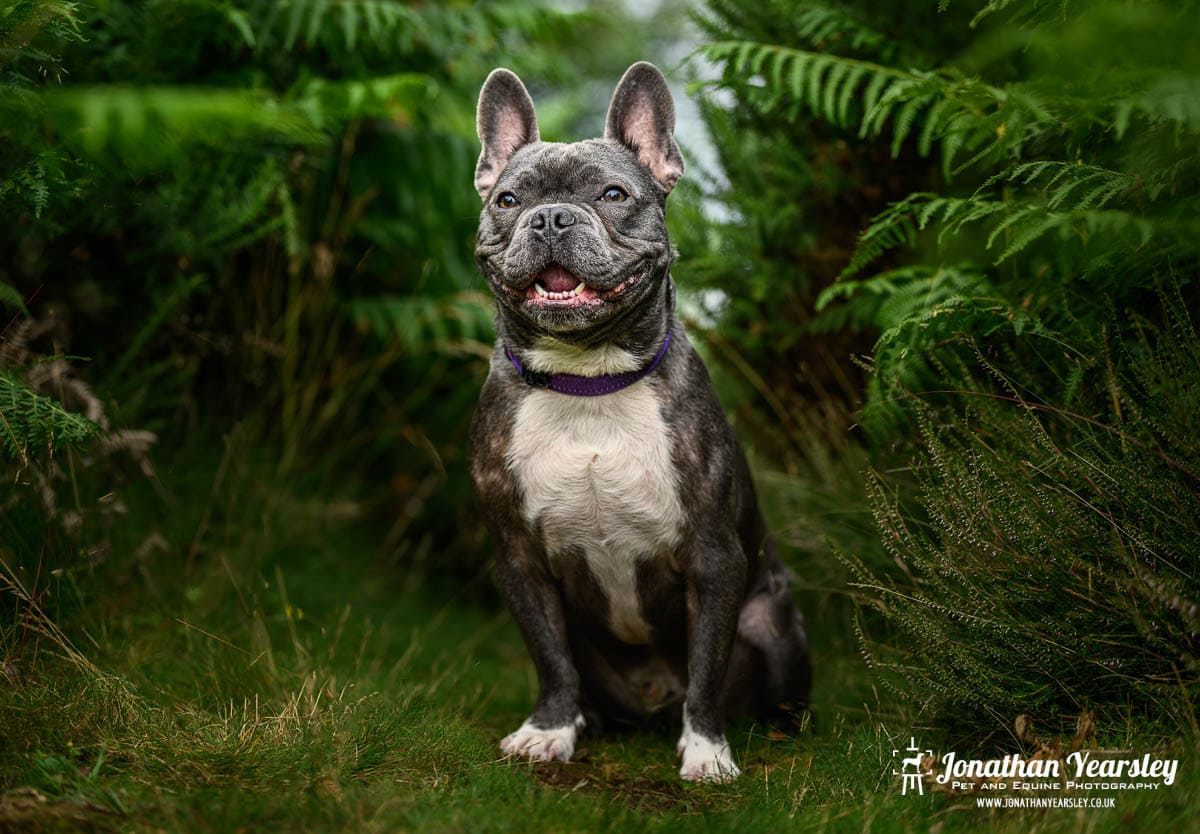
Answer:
(554, 219)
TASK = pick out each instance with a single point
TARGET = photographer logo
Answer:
(910, 772)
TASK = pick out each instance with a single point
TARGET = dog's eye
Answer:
(507, 200)
(614, 195)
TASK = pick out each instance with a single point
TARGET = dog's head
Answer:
(572, 235)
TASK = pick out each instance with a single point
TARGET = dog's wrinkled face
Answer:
(572, 234)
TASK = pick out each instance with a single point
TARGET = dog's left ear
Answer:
(642, 117)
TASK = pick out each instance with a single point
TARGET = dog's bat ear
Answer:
(642, 117)
(505, 121)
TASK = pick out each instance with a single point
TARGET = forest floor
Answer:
(258, 667)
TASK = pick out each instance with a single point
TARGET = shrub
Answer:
(1043, 547)
(1055, 567)
(261, 213)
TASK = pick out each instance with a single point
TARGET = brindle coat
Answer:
(714, 626)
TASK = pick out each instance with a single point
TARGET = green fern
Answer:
(352, 23)
(29, 184)
(956, 112)
(887, 299)
(817, 24)
(827, 84)
(352, 27)
(1039, 515)
(23, 23)
(1010, 227)
(32, 425)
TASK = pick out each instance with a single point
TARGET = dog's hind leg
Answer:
(771, 671)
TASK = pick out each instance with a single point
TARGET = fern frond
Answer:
(888, 298)
(1019, 11)
(899, 223)
(828, 26)
(348, 28)
(31, 425)
(23, 19)
(797, 74)
(955, 111)
(343, 24)
(1058, 180)
(1017, 223)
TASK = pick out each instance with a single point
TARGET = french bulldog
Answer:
(630, 546)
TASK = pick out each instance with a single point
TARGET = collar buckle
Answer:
(536, 379)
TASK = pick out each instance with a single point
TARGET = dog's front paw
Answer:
(543, 745)
(706, 760)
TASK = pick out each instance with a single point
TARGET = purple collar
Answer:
(586, 386)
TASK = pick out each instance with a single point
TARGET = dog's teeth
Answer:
(565, 295)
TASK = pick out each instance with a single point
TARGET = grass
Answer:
(294, 680)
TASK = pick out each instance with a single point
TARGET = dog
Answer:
(630, 547)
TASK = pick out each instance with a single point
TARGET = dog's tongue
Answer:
(556, 279)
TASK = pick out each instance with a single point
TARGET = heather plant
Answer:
(1030, 392)
(1053, 567)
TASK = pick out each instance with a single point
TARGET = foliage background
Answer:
(942, 263)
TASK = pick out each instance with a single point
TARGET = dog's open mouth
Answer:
(555, 286)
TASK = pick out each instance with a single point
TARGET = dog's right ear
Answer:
(505, 121)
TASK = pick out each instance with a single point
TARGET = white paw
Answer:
(553, 744)
(705, 759)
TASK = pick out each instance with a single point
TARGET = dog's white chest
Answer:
(597, 477)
